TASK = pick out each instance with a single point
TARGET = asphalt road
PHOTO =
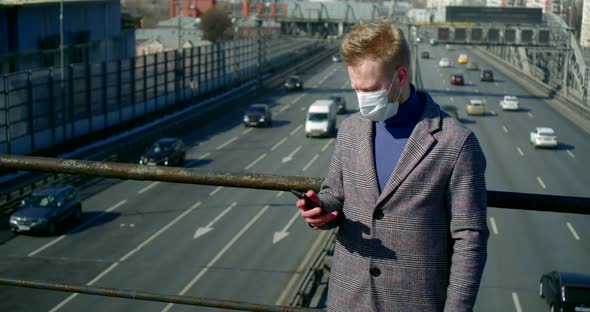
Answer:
(218, 242)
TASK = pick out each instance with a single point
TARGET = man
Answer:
(406, 189)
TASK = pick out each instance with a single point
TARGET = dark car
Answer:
(425, 54)
(451, 110)
(165, 152)
(46, 208)
(294, 83)
(566, 291)
(487, 75)
(340, 104)
(457, 79)
(258, 115)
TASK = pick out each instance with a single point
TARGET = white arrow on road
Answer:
(290, 156)
(209, 227)
(278, 236)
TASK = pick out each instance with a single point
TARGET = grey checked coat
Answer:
(420, 245)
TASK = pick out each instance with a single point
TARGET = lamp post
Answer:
(179, 4)
(259, 45)
(61, 40)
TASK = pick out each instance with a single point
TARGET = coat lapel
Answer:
(417, 146)
(368, 157)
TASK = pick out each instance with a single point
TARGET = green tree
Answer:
(216, 25)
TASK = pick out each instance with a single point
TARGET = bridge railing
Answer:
(497, 199)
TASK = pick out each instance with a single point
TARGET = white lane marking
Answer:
(202, 230)
(297, 99)
(519, 151)
(145, 189)
(569, 226)
(571, 154)
(541, 182)
(325, 78)
(530, 114)
(327, 144)
(516, 302)
(452, 99)
(476, 90)
(311, 162)
(470, 82)
(129, 254)
(303, 108)
(204, 156)
(72, 296)
(295, 130)
(158, 233)
(278, 144)
(284, 108)
(38, 250)
(217, 189)
(504, 128)
(247, 130)
(228, 142)
(218, 256)
(279, 194)
(345, 85)
(494, 227)
(278, 236)
(496, 84)
(250, 165)
(448, 88)
(290, 156)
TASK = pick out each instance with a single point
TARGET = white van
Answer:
(321, 119)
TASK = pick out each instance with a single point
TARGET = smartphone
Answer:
(308, 201)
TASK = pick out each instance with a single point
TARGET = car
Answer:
(444, 62)
(336, 58)
(476, 107)
(565, 291)
(451, 110)
(46, 208)
(472, 66)
(450, 47)
(258, 115)
(425, 55)
(433, 41)
(294, 83)
(544, 137)
(340, 104)
(462, 59)
(457, 79)
(509, 103)
(165, 152)
(487, 75)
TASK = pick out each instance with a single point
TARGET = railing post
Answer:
(104, 94)
(166, 91)
(88, 95)
(199, 72)
(133, 86)
(30, 108)
(156, 74)
(119, 99)
(145, 99)
(192, 71)
(7, 114)
(71, 101)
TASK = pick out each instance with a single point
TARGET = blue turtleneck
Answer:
(392, 134)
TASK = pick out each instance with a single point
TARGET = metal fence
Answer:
(39, 110)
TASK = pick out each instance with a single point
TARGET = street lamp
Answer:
(179, 4)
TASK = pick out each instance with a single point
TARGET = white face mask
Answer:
(375, 105)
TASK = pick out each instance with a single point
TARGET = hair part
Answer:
(382, 42)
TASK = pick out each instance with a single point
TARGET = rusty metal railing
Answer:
(497, 199)
(510, 200)
(147, 296)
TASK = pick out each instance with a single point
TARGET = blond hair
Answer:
(382, 42)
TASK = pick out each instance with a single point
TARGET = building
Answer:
(30, 33)
(585, 33)
(191, 8)
(165, 36)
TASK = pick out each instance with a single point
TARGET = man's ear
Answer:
(402, 74)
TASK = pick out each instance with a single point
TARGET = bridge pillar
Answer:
(340, 29)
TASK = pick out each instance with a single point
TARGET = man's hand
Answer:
(315, 216)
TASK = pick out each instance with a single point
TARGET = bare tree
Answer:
(216, 25)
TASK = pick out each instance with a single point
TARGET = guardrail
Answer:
(519, 201)
(10, 199)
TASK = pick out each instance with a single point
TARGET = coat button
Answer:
(375, 272)
(378, 214)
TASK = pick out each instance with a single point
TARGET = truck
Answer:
(321, 119)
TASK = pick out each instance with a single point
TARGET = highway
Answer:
(220, 242)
